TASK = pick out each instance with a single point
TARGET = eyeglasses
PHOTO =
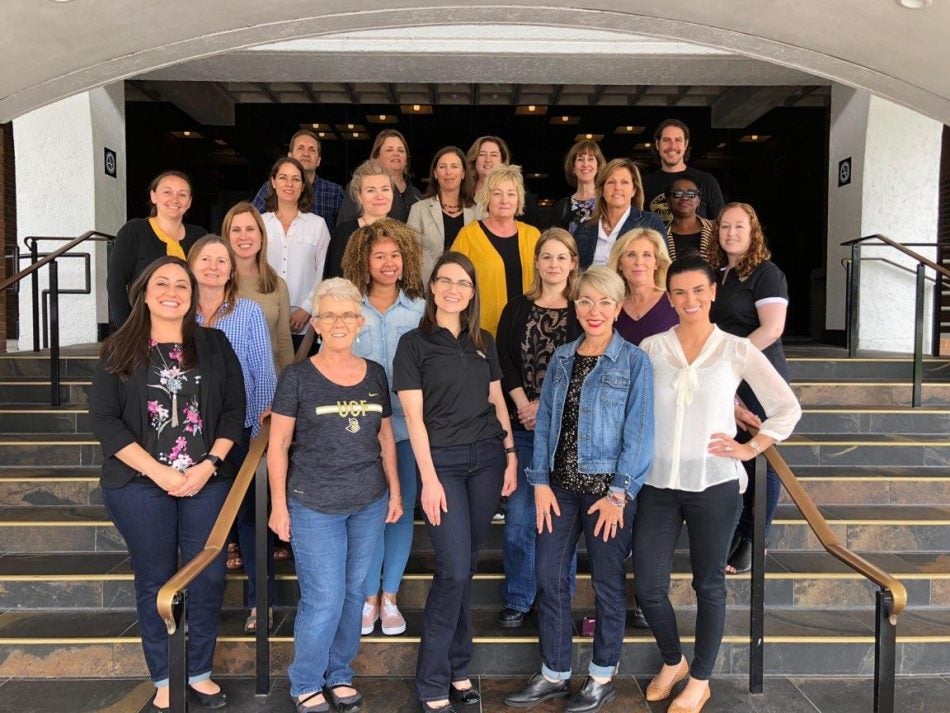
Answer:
(685, 194)
(329, 318)
(586, 305)
(445, 283)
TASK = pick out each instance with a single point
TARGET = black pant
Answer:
(709, 516)
(773, 485)
(472, 477)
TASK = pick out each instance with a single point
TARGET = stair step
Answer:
(814, 392)
(842, 367)
(37, 391)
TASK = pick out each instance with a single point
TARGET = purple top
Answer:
(659, 318)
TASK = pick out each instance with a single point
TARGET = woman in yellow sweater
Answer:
(500, 247)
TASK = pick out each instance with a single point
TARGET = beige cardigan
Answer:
(425, 216)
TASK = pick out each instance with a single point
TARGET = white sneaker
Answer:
(392, 620)
(370, 615)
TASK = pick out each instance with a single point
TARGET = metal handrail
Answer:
(36, 265)
(901, 247)
(845, 261)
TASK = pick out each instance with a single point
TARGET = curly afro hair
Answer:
(361, 242)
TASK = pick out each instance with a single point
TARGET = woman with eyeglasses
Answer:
(333, 496)
(688, 232)
(448, 379)
(593, 444)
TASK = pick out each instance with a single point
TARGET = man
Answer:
(688, 232)
(392, 152)
(671, 143)
(327, 195)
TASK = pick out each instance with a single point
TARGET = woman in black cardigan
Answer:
(167, 404)
(531, 327)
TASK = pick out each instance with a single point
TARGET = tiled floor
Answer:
(730, 695)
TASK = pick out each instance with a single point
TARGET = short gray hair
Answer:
(372, 167)
(606, 281)
(339, 289)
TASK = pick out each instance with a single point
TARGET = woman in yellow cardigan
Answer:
(500, 247)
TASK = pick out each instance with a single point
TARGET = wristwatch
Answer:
(215, 461)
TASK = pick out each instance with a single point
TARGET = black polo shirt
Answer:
(454, 378)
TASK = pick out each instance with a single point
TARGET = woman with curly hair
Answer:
(384, 261)
(751, 301)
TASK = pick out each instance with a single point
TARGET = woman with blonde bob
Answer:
(500, 247)
(640, 258)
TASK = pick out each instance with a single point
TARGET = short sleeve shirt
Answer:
(454, 378)
(336, 464)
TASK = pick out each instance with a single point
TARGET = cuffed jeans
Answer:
(709, 516)
(472, 476)
(392, 549)
(157, 527)
(773, 485)
(608, 578)
(521, 530)
(332, 553)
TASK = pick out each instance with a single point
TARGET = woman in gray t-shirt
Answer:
(333, 497)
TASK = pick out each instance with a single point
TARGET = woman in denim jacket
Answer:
(593, 446)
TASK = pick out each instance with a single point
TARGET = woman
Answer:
(696, 474)
(372, 189)
(385, 261)
(297, 240)
(446, 206)
(593, 442)
(335, 408)
(500, 247)
(580, 169)
(242, 321)
(484, 155)
(688, 231)
(640, 258)
(531, 327)
(167, 404)
(447, 376)
(139, 242)
(619, 209)
(751, 301)
(391, 151)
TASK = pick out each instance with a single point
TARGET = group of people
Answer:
(593, 374)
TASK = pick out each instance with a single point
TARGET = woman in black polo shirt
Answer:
(448, 379)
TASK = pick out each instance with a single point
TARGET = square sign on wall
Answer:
(844, 172)
(110, 162)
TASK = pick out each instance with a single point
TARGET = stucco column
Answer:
(63, 189)
(893, 190)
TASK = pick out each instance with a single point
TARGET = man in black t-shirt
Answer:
(671, 143)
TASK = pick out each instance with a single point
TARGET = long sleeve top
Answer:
(276, 309)
(694, 401)
(298, 255)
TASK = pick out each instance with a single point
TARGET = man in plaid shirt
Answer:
(327, 195)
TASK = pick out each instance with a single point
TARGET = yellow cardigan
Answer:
(490, 269)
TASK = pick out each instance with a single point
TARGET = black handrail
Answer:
(37, 261)
(853, 276)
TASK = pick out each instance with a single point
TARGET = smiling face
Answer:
(735, 232)
(684, 198)
(168, 293)
(554, 263)
(337, 322)
(376, 196)
(596, 312)
(212, 266)
(619, 189)
(393, 155)
(450, 171)
(245, 236)
(171, 198)
(287, 183)
(585, 168)
(489, 156)
(385, 263)
(637, 264)
(503, 201)
(672, 148)
(452, 289)
(306, 150)
(692, 294)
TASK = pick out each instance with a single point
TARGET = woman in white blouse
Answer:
(697, 472)
(297, 239)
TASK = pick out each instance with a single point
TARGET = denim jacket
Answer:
(615, 424)
(379, 338)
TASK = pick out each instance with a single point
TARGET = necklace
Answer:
(450, 208)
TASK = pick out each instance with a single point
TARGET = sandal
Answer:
(250, 625)
(234, 561)
(281, 553)
(317, 708)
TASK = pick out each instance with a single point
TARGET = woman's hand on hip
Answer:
(511, 476)
(725, 446)
(545, 502)
(433, 501)
(279, 521)
(394, 512)
(609, 518)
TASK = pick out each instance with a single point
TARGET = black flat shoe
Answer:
(210, 700)
(509, 618)
(316, 708)
(740, 559)
(537, 690)
(345, 704)
(637, 620)
(464, 696)
(592, 697)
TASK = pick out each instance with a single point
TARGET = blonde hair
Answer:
(659, 252)
(500, 174)
(606, 281)
(600, 206)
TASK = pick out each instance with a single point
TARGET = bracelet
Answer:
(756, 447)
(511, 449)
(617, 500)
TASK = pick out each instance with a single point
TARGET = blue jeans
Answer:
(608, 577)
(521, 531)
(472, 476)
(332, 552)
(157, 527)
(392, 550)
(773, 488)
(708, 516)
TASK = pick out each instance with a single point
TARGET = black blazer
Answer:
(586, 235)
(119, 411)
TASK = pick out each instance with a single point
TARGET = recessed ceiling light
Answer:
(382, 117)
(914, 4)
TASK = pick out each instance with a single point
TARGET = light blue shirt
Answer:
(379, 338)
(246, 329)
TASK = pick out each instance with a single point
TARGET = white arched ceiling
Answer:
(54, 49)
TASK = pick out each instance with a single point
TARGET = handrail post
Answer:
(178, 659)
(757, 598)
(35, 289)
(919, 336)
(885, 645)
(262, 557)
(54, 333)
(854, 283)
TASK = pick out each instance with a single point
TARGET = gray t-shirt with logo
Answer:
(335, 463)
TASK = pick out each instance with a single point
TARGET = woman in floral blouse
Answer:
(167, 404)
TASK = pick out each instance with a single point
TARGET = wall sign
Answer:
(844, 172)
(110, 161)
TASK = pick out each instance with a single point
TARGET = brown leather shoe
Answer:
(655, 693)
